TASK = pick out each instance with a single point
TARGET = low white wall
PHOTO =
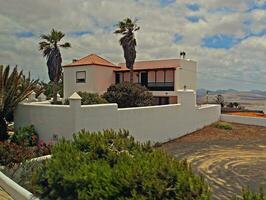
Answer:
(154, 123)
(14, 190)
(258, 121)
(47, 119)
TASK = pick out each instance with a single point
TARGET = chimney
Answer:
(182, 54)
(74, 60)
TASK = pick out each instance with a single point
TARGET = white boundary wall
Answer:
(15, 190)
(154, 123)
(258, 121)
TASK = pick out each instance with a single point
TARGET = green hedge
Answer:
(111, 165)
(128, 95)
(90, 98)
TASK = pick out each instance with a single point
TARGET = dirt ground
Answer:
(249, 114)
(229, 159)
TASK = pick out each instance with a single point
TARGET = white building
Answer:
(162, 77)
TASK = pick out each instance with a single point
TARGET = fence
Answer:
(154, 123)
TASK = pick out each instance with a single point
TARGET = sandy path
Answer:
(228, 162)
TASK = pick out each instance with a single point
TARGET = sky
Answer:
(226, 37)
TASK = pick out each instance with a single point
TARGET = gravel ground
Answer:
(229, 159)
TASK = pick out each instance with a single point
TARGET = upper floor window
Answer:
(117, 77)
(81, 77)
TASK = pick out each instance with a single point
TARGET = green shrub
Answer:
(223, 125)
(249, 195)
(25, 136)
(128, 95)
(90, 98)
(111, 165)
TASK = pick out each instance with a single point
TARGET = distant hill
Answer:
(202, 92)
(253, 99)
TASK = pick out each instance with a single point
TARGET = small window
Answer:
(117, 77)
(81, 77)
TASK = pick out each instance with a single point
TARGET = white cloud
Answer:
(155, 38)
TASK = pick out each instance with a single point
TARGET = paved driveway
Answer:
(229, 160)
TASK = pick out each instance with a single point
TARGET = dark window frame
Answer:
(117, 77)
(79, 80)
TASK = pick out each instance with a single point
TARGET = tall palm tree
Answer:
(127, 28)
(50, 48)
(14, 88)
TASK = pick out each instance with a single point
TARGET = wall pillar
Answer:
(75, 107)
(264, 109)
(187, 98)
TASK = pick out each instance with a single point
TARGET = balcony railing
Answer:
(160, 86)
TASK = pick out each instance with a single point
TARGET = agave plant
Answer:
(14, 88)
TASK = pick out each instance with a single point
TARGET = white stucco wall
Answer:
(257, 121)
(98, 79)
(47, 119)
(155, 123)
(186, 75)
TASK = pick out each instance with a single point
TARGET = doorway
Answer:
(144, 78)
(163, 100)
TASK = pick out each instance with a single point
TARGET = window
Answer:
(117, 77)
(81, 77)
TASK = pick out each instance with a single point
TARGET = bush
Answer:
(26, 136)
(128, 95)
(90, 98)
(249, 195)
(111, 165)
(11, 153)
(223, 125)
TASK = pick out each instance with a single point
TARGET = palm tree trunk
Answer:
(131, 75)
(54, 92)
(3, 129)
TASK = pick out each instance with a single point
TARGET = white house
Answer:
(162, 77)
(172, 81)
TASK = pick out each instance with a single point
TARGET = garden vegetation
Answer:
(111, 165)
(128, 95)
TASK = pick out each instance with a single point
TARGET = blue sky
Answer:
(226, 37)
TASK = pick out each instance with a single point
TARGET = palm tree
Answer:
(14, 88)
(127, 28)
(220, 100)
(50, 48)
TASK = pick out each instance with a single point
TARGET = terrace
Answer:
(153, 79)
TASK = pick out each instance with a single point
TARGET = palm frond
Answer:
(43, 45)
(47, 52)
(65, 45)
(57, 35)
(47, 37)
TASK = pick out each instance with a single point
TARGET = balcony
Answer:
(159, 86)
